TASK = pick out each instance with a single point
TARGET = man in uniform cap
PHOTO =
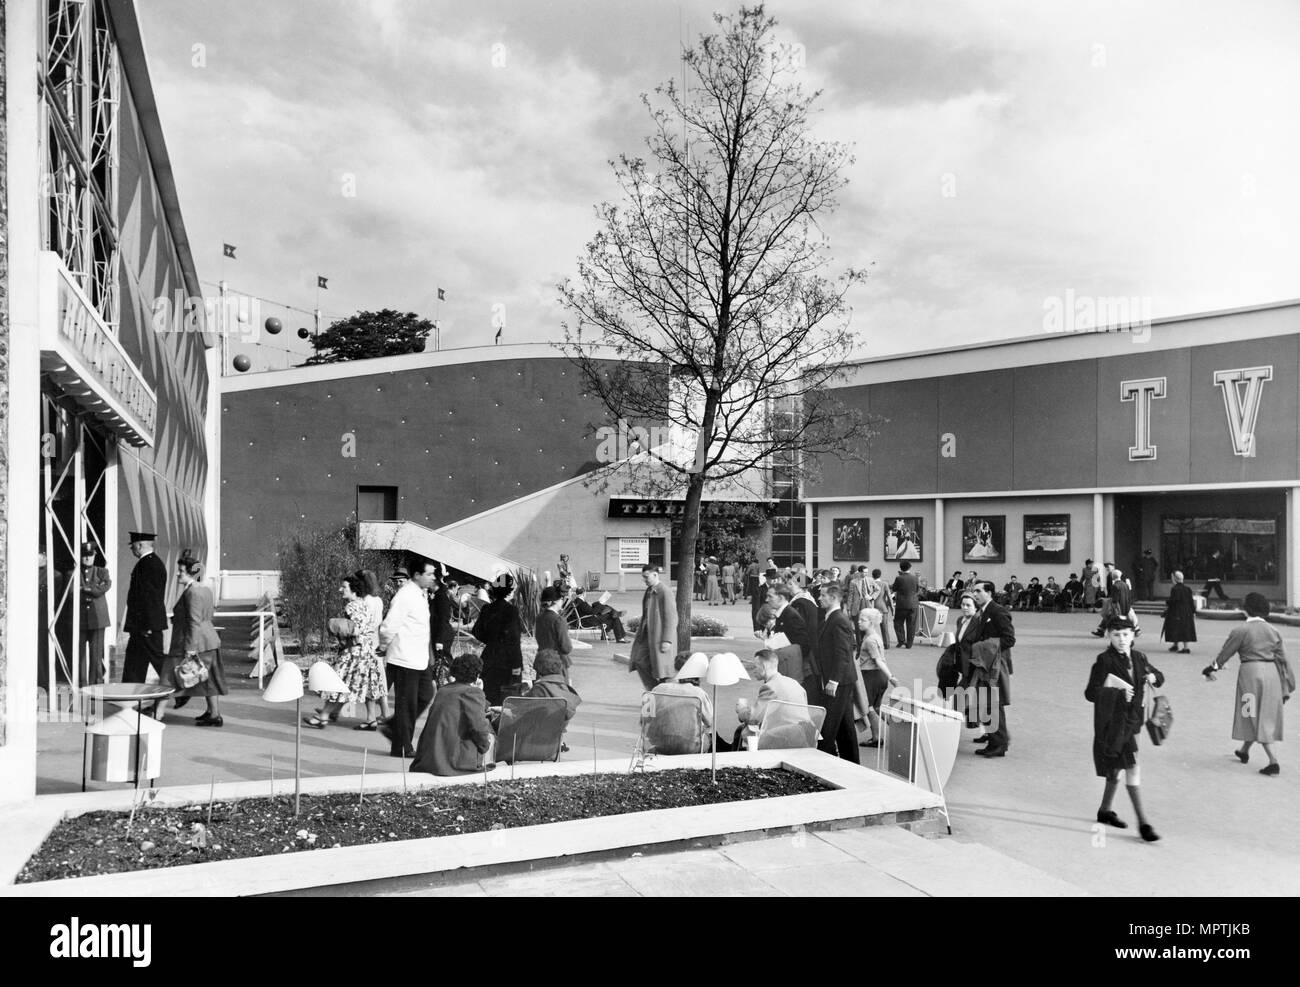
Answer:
(146, 610)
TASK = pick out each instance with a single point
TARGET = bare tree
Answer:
(710, 272)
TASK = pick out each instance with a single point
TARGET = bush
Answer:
(313, 562)
(702, 625)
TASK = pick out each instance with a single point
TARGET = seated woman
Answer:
(457, 733)
(668, 734)
(550, 683)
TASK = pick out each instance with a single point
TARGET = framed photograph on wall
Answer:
(851, 536)
(902, 539)
(984, 538)
(1047, 538)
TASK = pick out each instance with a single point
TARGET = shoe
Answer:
(490, 766)
(202, 719)
(869, 743)
(1174, 649)
(1243, 756)
(1111, 819)
(984, 738)
(409, 752)
(1148, 833)
(991, 751)
(564, 748)
(1272, 769)
(315, 722)
(180, 703)
(372, 726)
(1185, 651)
(216, 721)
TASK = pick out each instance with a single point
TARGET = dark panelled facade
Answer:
(160, 489)
(1064, 426)
(454, 441)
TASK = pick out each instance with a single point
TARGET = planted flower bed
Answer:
(702, 625)
(112, 842)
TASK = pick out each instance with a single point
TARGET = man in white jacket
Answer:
(405, 631)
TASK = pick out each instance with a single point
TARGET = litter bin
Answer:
(933, 621)
(593, 580)
(110, 747)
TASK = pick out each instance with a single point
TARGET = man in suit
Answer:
(993, 623)
(772, 686)
(789, 620)
(146, 610)
(835, 649)
(655, 642)
(906, 595)
(95, 582)
(609, 618)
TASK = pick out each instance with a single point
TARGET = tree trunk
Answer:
(686, 560)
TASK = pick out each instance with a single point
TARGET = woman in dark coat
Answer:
(1116, 688)
(457, 733)
(1180, 617)
(552, 630)
(499, 628)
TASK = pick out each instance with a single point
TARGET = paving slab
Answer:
(844, 880)
(780, 853)
(693, 874)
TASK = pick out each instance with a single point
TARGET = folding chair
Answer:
(530, 729)
(670, 725)
(578, 623)
(789, 725)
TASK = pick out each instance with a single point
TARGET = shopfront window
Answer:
(1247, 548)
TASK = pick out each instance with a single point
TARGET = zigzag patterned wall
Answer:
(160, 489)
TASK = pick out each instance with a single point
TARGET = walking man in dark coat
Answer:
(993, 623)
(839, 669)
(146, 610)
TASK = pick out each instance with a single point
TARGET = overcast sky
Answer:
(1147, 150)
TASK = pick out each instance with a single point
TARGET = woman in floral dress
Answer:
(357, 664)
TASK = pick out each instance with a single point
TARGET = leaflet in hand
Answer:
(604, 597)
(1115, 682)
(777, 641)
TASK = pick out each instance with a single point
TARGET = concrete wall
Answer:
(455, 439)
(1063, 426)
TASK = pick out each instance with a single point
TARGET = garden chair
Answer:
(671, 725)
(530, 729)
(578, 623)
(789, 725)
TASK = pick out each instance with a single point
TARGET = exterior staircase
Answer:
(238, 624)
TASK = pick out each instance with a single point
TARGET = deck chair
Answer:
(789, 725)
(530, 729)
(671, 725)
(578, 623)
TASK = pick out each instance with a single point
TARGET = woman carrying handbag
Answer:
(193, 665)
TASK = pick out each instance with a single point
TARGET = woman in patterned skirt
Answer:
(357, 664)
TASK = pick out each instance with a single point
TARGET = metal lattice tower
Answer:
(80, 90)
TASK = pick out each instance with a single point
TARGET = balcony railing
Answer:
(82, 356)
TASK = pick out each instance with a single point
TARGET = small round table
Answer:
(123, 692)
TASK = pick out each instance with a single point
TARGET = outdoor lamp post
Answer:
(724, 669)
(285, 685)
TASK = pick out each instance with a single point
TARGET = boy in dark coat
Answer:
(1116, 689)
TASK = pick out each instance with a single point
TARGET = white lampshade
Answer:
(725, 669)
(285, 685)
(321, 677)
(695, 667)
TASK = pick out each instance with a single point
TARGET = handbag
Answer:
(1161, 719)
(190, 672)
(342, 627)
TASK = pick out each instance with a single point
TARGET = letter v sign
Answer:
(1242, 409)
